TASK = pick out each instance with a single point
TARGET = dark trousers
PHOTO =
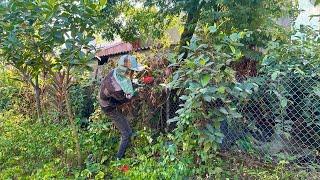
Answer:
(123, 126)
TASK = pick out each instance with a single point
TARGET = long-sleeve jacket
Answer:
(111, 94)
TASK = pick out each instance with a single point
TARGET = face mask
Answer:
(125, 83)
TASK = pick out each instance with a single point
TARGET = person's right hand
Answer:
(148, 80)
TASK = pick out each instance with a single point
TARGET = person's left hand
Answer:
(128, 96)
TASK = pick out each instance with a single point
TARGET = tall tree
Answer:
(52, 37)
(22, 45)
(230, 15)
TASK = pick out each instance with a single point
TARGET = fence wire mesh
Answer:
(285, 116)
(280, 121)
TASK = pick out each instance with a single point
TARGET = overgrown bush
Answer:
(300, 56)
(82, 100)
(13, 92)
(31, 149)
(210, 95)
(287, 105)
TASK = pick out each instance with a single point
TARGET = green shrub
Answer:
(9, 89)
(82, 99)
(28, 148)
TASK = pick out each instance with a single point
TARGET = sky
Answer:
(304, 16)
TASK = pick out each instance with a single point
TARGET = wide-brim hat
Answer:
(130, 62)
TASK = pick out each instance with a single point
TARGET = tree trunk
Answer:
(74, 129)
(37, 97)
(193, 15)
(71, 119)
(167, 104)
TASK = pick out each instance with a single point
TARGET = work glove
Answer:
(147, 80)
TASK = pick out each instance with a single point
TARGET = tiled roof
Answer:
(118, 48)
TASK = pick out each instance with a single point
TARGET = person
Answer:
(116, 89)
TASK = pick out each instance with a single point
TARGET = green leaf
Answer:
(207, 98)
(213, 29)
(184, 97)
(232, 49)
(100, 175)
(221, 89)
(249, 91)
(317, 92)
(68, 45)
(102, 2)
(103, 159)
(236, 115)
(210, 128)
(181, 56)
(205, 79)
(219, 134)
(59, 36)
(202, 62)
(194, 85)
(274, 75)
(175, 119)
(207, 147)
(211, 89)
(51, 2)
(234, 37)
(223, 110)
(218, 170)
(202, 46)
(204, 90)
(176, 77)
(284, 102)
(238, 88)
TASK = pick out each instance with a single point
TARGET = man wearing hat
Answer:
(116, 89)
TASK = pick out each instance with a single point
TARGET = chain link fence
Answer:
(281, 121)
(284, 119)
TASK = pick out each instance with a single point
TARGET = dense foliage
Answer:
(300, 56)
(46, 50)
